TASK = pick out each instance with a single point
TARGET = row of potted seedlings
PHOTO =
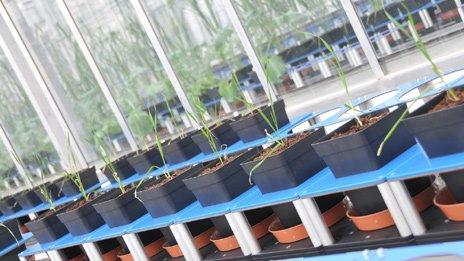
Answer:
(351, 149)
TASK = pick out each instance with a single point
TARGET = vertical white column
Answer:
(363, 38)
(245, 40)
(460, 9)
(84, 48)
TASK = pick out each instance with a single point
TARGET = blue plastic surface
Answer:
(253, 198)
(20, 242)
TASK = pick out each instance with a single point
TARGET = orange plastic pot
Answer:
(383, 219)
(112, 255)
(448, 205)
(78, 258)
(200, 241)
(298, 232)
(151, 250)
(230, 243)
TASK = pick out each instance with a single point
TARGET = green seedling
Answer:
(74, 175)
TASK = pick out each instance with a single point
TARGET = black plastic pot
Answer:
(180, 150)
(88, 178)
(251, 127)
(439, 133)
(28, 198)
(254, 216)
(6, 239)
(148, 237)
(289, 168)
(9, 206)
(47, 228)
(368, 200)
(122, 167)
(455, 183)
(120, 210)
(222, 185)
(85, 219)
(223, 134)
(168, 198)
(54, 191)
(343, 154)
(143, 161)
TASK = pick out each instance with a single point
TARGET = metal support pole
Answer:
(425, 18)
(316, 217)
(395, 210)
(242, 231)
(144, 20)
(252, 55)
(363, 38)
(56, 255)
(23, 258)
(14, 156)
(92, 251)
(84, 48)
(185, 241)
(308, 224)
(33, 83)
(460, 9)
(135, 246)
(225, 105)
(407, 207)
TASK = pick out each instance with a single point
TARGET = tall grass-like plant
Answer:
(420, 45)
(74, 175)
(109, 164)
(9, 231)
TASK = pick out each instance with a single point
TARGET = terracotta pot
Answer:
(23, 229)
(298, 232)
(80, 257)
(383, 219)
(112, 255)
(230, 243)
(151, 250)
(201, 241)
(452, 210)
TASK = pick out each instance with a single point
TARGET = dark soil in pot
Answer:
(88, 178)
(164, 196)
(9, 205)
(368, 200)
(81, 217)
(221, 182)
(144, 160)
(181, 149)
(54, 191)
(47, 227)
(122, 167)
(343, 149)
(252, 126)
(438, 125)
(455, 183)
(28, 198)
(6, 237)
(123, 209)
(254, 216)
(289, 166)
(223, 136)
(195, 227)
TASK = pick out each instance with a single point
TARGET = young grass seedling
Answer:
(74, 174)
(9, 231)
(420, 45)
(109, 164)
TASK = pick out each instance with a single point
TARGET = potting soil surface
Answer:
(286, 144)
(163, 180)
(367, 121)
(219, 164)
(448, 102)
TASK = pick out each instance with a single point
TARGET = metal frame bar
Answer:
(460, 7)
(315, 216)
(363, 38)
(395, 209)
(84, 48)
(149, 28)
(13, 155)
(304, 215)
(35, 87)
(92, 251)
(242, 231)
(249, 49)
(56, 255)
(185, 241)
(407, 207)
(135, 246)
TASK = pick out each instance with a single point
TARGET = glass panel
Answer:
(9, 177)
(431, 19)
(24, 129)
(130, 66)
(205, 52)
(66, 72)
(285, 35)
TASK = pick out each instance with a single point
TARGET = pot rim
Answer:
(445, 201)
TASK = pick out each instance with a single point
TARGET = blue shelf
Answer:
(12, 247)
(253, 198)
